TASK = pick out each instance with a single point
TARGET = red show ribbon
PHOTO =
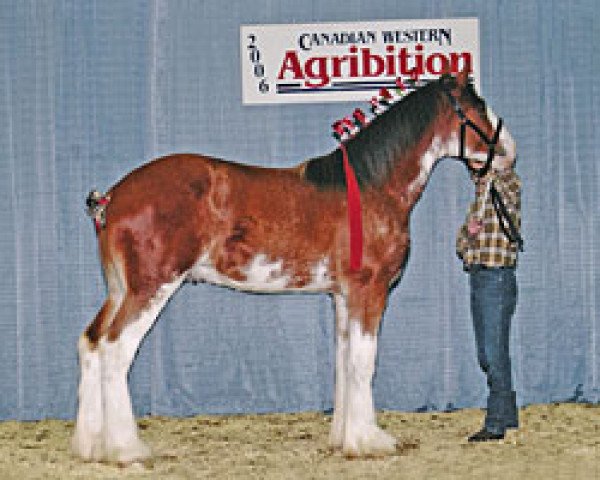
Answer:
(338, 130)
(385, 94)
(374, 104)
(354, 213)
(360, 120)
(400, 85)
(99, 217)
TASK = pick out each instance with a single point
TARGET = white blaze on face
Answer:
(505, 152)
(506, 144)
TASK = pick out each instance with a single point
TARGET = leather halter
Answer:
(506, 224)
(490, 142)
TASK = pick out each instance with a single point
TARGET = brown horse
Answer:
(193, 218)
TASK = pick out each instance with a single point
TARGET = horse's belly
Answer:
(260, 274)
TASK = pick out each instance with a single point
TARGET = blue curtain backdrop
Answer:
(91, 89)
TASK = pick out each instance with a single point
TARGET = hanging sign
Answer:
(323, 62)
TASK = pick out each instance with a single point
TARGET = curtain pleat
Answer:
(91, 90)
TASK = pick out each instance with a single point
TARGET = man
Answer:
(487, 244)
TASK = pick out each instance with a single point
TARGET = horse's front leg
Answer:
(336, 436)
(362, 436)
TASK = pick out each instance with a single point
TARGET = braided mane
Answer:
(373, 151)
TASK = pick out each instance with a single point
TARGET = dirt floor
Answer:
(554, 442)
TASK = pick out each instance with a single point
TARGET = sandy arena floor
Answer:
(554, 442)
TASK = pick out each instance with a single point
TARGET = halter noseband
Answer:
(506, 223)
(490, 142)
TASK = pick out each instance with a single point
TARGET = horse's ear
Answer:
(448, 81)
(446, 70)
(462, 78)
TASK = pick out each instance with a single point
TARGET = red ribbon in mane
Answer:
(354, 213)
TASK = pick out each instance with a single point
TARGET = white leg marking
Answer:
(121, 440)
(362, 436)
(87, 439)
(505, 152)
(336, 436)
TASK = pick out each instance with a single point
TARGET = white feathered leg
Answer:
(87, 440)
(121, 440)
(336, 436)
(362, 436)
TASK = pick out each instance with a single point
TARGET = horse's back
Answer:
(178, 214)
(152, 221)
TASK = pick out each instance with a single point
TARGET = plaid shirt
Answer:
(487, 244)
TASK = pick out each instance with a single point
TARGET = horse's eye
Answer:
(481, 107)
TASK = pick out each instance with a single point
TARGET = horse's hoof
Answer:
(89, 449)
(373, 442)
(336, 438)
(136, 452)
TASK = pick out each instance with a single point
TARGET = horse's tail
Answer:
(96, 204)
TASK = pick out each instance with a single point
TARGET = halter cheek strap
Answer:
(506, 224)
(490, 142)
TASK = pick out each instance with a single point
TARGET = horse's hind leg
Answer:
(87, 440)
(117, 351)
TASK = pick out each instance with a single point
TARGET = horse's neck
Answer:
(413, 167)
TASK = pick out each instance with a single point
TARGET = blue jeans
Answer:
(493, 302)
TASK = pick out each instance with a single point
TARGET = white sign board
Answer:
(332, 62)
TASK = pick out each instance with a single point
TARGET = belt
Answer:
(477, 267)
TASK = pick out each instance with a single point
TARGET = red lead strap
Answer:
(354, 213)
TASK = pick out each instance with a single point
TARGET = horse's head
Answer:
(484, 141)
